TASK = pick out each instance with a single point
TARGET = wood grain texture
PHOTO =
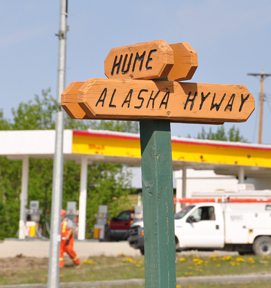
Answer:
(185, 62)
(174, 101)
(148, 60)
(69, 101)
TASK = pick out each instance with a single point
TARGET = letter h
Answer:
(116, 64)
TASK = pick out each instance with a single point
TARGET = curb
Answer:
(180, 280)
(225, 278)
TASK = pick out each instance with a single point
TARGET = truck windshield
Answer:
(183, 212)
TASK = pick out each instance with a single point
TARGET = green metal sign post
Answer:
(157, 187)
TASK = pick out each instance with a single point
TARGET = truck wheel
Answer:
(142, 251)
(262, 246)
(177, 247)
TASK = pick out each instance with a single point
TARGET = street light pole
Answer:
(55, 237)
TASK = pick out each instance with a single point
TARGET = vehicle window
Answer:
(183, 212)
(197, 214)
(124, 216)
(204, 213)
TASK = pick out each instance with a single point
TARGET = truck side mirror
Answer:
(190, 219)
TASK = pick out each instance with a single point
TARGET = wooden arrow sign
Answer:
(185, 62)
(149, 60)
(152, 60)
(177, 102)
(73, 109)
(69, 101)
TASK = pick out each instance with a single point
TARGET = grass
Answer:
(34, 270)
(259, 284)
(225, 265)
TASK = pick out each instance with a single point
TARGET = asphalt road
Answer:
(84, 249)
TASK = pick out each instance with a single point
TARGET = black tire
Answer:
(177, 247)
(262, 246)
(142, 251)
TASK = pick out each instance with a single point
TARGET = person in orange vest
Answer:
(66, 244)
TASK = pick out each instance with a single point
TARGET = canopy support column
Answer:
(23, 198)
(83, 199)
(184, 185)
(241, 175)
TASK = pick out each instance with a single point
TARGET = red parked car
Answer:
(120, 225)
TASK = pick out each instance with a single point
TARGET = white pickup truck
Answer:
(243, 227)
(238, 227)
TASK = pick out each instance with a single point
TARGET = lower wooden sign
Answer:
(69, 101)
(174, 101)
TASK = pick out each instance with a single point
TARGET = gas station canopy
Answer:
(124, 148)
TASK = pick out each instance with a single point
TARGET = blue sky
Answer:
(231, 38)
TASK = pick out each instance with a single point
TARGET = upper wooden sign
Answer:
(149, 60)
(152, 60)
(177, 102)
(185, 62)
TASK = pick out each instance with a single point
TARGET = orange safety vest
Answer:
(67, 245)
(64, 228)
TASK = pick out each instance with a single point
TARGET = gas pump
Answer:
(101, 228)
(33, 219)
(138, 215)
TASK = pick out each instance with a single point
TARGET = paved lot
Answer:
(84, 249)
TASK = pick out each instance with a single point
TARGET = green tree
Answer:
(120, 126)
(4, 123)
(108, 184)
(35, 115)
(10, 183)
(233, 134)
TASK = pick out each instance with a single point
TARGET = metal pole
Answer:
(23, 198)
(262, 76)
(53, 272)
(261, 109)
(158, 209)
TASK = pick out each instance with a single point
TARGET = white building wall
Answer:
(197, 180)
(205, 180)
(260, 183)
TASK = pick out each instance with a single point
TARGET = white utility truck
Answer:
(238, 220)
